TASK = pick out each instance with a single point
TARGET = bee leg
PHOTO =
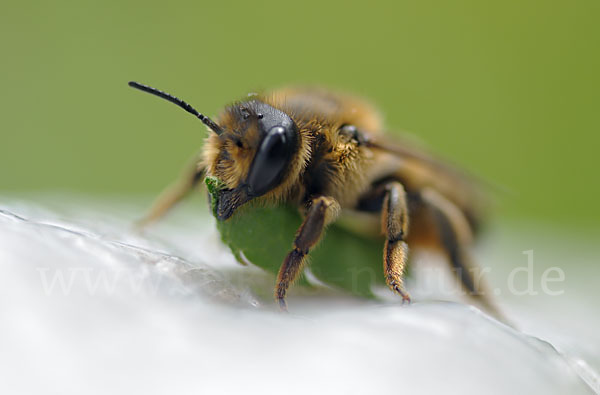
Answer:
(455, 238)
(322, 211)
(394, 224)
(189, 178)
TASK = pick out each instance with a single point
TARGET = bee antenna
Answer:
(205, 120)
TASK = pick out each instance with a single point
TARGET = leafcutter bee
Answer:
(326, 154)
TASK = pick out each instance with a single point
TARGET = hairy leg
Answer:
(455, 237)
(394, 223)
(189, 178)
(322, 211)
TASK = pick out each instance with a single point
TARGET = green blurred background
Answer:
(507, 89)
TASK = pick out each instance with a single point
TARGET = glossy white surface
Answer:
(89, 306)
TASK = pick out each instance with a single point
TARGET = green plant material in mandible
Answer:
(343, 259)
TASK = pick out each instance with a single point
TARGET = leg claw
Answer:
(282, 305)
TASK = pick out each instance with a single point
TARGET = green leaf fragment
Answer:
(342, 259)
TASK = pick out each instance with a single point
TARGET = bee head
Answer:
(250, 149)
(253, 154)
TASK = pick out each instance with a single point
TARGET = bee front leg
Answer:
(189, 178)
(322, 211)
(394, 223)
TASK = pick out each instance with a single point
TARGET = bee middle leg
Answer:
(322, 211)
(394, 223)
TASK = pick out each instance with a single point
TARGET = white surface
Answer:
(170, 312)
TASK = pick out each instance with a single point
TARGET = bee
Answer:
(325, 153)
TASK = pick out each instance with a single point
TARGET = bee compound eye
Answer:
(270, 161)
